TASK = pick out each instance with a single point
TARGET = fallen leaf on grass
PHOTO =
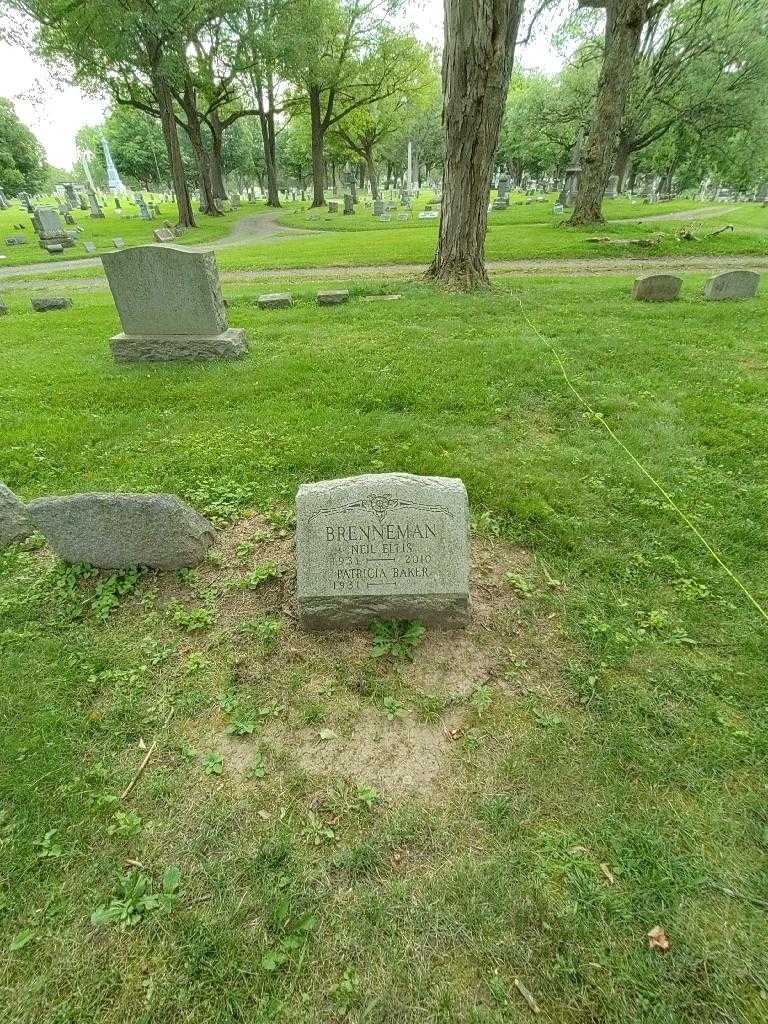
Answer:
(608, 874)
(658, 939)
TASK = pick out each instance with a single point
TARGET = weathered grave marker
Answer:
(332, 298)
(163, 235)
(46, 303)
(733, 284)
(389, 546)
(275, 300)
(117, 531)
(657, 288)
(170, 306)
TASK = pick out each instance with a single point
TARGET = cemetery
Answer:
(383, 577)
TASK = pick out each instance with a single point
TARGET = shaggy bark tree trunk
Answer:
(217, 145)
(373, 175)
(623, 160)
(480, 37)
(173, 149)
(624, 21)
(318, 136)
(193, 129)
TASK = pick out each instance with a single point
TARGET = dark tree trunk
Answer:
(173, 149)
(193, 129)
(217, 145)
(388, 184)
(373, 175)
(267, 123)
(623, 161)
(478, 54)
(318, 137)
(624, 21)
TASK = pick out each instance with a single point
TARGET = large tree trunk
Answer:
(173, 149)
(373, 175)
(318, 136)
(624, 21)
(217, 145)
(623, 160)
(479, 49)
(267, 122)
(193, 128)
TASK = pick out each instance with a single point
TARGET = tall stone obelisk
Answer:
(114, 184)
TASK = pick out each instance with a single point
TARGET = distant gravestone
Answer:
(89, 247)
(117, 204)
(332, 298)
(118, 531)
(378, 207)
(657, 288)
(82, 201)
(118, 242)
(275, 300)
(54, 248)
(428, 215)
(235, 200)
(144, 212)
(170, 306)
(163, 235)
(733, 284)
(3, 308)
(96, 211)
(388, 546)
(4, 204)
(16, 240)
(46, 303)
(333, 206)
(349, 205)
(15, 524)
(50, 228)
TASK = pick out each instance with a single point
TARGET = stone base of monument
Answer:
(447, 610)
(175, 348)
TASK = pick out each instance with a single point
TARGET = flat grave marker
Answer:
(387, 546)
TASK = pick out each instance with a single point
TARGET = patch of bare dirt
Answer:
(506, 648)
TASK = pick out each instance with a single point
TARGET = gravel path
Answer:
(248, 229)
(542, 268)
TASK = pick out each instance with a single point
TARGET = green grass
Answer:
(124, 223)
(522, 210)
(626, 725)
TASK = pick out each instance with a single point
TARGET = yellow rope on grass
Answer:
(666, 495)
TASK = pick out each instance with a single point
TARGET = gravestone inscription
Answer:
(389, 546)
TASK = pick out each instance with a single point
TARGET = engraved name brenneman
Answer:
(375, 553)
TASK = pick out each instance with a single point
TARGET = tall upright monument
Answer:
(114, 184)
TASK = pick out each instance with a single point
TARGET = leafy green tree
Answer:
(365, 128)
(22, 158)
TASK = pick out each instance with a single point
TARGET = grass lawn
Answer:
(512, 235)
(124, 223)
(521, 211)
(324, 836)
(416, 244)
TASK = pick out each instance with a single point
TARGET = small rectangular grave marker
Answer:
(275, 300)
(332, 298)
(388, 546)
